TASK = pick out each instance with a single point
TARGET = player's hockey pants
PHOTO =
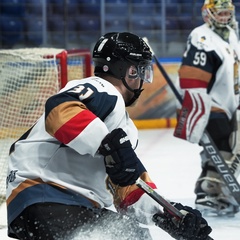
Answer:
(48, 221)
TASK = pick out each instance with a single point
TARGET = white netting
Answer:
(27, 78)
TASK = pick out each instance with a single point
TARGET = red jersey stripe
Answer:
(192, 83)
(72, 128)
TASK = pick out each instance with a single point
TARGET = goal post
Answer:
(28, 77)
(69, 59)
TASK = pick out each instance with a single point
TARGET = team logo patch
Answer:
(11, 177)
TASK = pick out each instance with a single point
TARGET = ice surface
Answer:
(174, 166)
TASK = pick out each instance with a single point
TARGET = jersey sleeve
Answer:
(133, 201)
(75, 117)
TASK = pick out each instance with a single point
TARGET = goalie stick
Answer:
(160, 200)
(207, 143)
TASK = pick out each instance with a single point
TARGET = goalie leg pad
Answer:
(234, 165)
(193, 116)
(213, 197)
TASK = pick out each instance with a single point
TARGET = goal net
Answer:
(27, 78)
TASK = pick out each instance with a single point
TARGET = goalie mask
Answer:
(117, 53)
(218, 13)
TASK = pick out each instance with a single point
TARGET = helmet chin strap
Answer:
(136, 92)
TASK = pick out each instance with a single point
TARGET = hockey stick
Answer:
(207, 143)
(160, 200)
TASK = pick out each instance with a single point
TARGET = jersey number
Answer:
(84, 92)
(200, 58)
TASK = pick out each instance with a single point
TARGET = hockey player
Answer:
(79, 158)
(209, 82)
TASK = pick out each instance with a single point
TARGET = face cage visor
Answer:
(218, 15)
(223, 17)
(142, 71)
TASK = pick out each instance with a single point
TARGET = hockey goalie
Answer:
(209, 83)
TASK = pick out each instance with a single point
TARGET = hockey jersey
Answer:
(211, 64)
(57, 159)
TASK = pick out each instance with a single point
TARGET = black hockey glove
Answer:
(191, 227)
(121, 161)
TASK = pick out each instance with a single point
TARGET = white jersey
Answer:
(44, 169)
(211, 64)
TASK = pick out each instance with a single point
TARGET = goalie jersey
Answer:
(211, 65)
(57, 159)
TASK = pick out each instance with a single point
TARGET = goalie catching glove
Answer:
(193, 116)
(192, 226)
(122, 164)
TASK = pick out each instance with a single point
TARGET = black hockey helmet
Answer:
(115, 52)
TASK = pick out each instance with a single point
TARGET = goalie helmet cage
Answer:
(27, 78)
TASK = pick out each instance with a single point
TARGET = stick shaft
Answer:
(160, 200)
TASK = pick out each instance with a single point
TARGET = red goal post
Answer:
(27, 78)
(65, 55)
